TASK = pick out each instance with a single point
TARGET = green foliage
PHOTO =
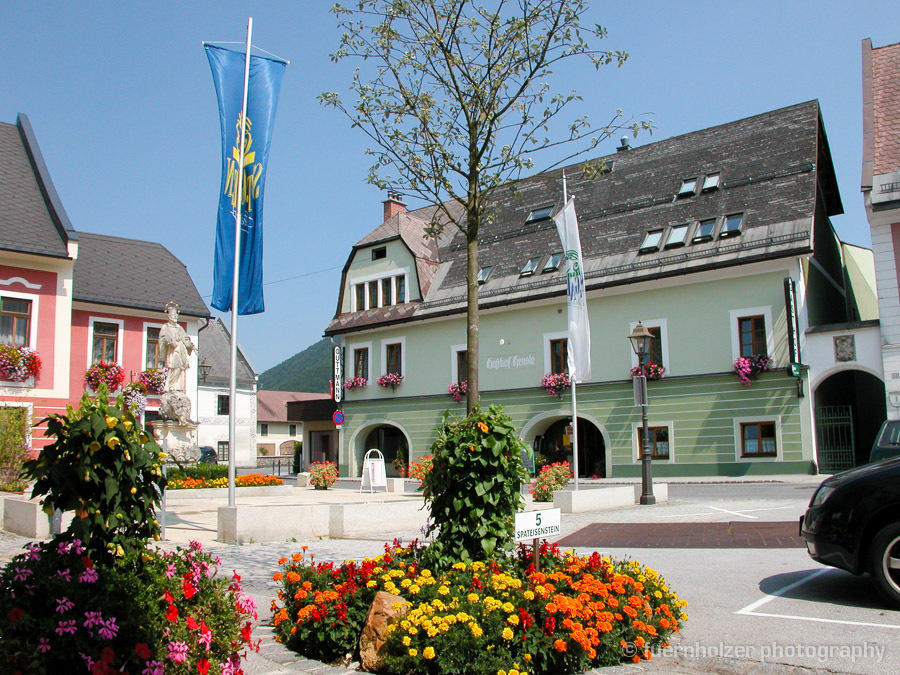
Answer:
(298, 457)
(309, 370)
(199, 471)
(472, 488)
(13, 447)
(551, 478)
(59, 612)
(105, 468)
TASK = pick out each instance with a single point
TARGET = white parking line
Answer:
(704, 513)
(749, 610)
(734, 513)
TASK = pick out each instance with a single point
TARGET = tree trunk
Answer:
(472, 314)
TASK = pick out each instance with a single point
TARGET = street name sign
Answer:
(537, 524)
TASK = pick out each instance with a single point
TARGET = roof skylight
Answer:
(677, 236)
(483, 274)
(711, 182)
(732, 226)
(552, 263)
(704, 230)
(651, 241)
(688, 187)
(529, 268)
(539, 214)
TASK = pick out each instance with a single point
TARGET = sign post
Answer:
(338, 374)
(373, 470)
(534, 525)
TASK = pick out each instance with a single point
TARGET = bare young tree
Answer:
(456, 98)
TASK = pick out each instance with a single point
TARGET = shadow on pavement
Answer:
(833, 587)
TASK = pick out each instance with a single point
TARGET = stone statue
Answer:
(176, 349)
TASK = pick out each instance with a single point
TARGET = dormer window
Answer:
(651, 241)
(379, 253)
(732, 226)
(552, 263)
(539, 214)
(704, 231)
(483, 274)
(688, 187)
(677, 236)
(529, 268)
(711, 182)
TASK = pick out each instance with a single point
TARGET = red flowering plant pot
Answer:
(154, 381)
(391, 380)
(748, 367)
(356, 382)
(17, 364)
(110, 374)
(556, 384)
(650, 370)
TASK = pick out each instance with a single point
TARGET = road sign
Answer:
(337, 417)
(537, 524)
(338, 373)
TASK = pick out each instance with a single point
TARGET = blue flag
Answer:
(262, 99)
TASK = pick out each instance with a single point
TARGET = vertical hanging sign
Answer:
(793, 322)
(338, 373)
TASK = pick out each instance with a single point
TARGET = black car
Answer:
(887, 442)
(853, 522)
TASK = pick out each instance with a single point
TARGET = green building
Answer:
(697, 236)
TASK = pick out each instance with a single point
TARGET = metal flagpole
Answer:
(572, 375)
(236, 279)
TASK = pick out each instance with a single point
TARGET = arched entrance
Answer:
(849, 409)
(393, 445)
(552, 438)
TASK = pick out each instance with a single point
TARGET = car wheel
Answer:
(884, 561)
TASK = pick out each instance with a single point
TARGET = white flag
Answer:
(579, 346)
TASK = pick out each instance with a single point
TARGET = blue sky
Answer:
(121, 99)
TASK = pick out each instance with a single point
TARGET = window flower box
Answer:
(17, 364)
(391, 380)
(154, 381)
(110, 373)
(650, 370)
(134, 394)
(748, 367)
(556, 384)
(458, 391)
(355, 383)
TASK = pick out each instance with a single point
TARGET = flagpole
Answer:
(236, 280)
(572, 375)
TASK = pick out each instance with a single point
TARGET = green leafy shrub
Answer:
(13, 448)
(551, 478)
(298, 457)
(472, 488)
(578, 613)
(150, 612)
(106, 469)
(198, 471)
(323, 474)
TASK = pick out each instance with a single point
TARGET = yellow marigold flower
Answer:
(443, 590)
(528, 595)
(371, 583)
(112, 442)
(483, 427)
(512, 620)
(428, 652)
(507, 633)
(527, 657)
(406, 641)
(459, 565)
(501, 672)
(475, 629)
(425, 573)
(513, 672)
(413, 630)
(508, 607)
(111, 422)
(413, 652)
(406, 583)
(414, 589)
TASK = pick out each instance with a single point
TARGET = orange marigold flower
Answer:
(307, 585)
(293, 577)
(483, 427)
(560, 645)
(297, 557)
(281, 561)
(278, 576)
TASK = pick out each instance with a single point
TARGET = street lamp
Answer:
(204, 368)
(640, 342)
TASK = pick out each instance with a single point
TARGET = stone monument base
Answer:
(177, 439)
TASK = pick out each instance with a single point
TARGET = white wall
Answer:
(214, 428)
(820, 354)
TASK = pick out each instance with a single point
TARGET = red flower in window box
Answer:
(17, 364)
(748, 367)
(650, 370)
(556, 383)
(111, 373)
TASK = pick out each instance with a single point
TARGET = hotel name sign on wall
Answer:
(528, 360)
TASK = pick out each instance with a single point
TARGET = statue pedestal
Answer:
(177, 439)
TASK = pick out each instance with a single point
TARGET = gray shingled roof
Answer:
(215, 348)
(131, 273)
(770, 166)
(32, 219)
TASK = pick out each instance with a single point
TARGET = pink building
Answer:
(75, 298)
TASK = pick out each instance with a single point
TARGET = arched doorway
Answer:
(554, 443)
(849, 409)
(392, 443)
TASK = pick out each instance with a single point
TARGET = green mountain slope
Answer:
(309, 370)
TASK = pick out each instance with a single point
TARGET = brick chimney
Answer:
(393, 205)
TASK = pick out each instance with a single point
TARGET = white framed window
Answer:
(734, 317)
(457, 363)
(711, 182)
(15, 323)
(659, 345)
(361, 355)
(758, 439)
(150, 345)
(662, 441)
(393, 343)
(101, 338)
(379, 290)
(552, 338)
(677, 236)
(651, 241)
(688, 187)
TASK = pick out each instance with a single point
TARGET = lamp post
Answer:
(204, 368)
(640, 342)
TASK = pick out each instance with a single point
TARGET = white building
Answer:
(213, 397)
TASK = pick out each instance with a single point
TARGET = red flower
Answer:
(169, 597)
(15, 614)
(202, 666)
(246, 632)
(236, 576)
(192, 623)
(172, 613)
(142, 650)
(86, 562)
(107, 655)
(189, 589)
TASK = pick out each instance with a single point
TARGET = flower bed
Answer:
(323, 474)
(556, 384)
(748, 367)
(154, 380)
(578, 613)
(650, 370)
(247, 480)
(458, 391)
(17, 364)
(153, 612)
(551, 478)
(110, 374)
(355, 383)
(420, 468)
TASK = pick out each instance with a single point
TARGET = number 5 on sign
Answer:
(537, 524)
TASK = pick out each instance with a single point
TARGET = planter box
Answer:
(220, 493)
(25, 517)
(579, 501)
